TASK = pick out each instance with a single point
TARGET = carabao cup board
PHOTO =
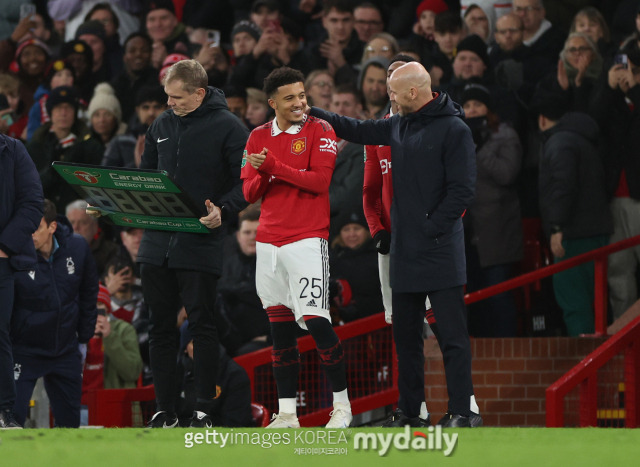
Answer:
(145, 199)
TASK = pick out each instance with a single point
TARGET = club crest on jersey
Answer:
(244, 159)
(328, 145)
(298, 146)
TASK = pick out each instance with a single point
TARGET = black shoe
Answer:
(399, 419)
(475, 420)
(162, 419)
(7, 420)
(200, 420)
(454, 420)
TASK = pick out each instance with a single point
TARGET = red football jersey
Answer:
(293, 181)
(377, 190)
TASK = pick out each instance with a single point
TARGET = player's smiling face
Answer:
(289, 103)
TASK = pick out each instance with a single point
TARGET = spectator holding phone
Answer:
(113, 358)
(616, 108)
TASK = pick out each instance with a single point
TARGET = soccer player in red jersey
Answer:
(288, 162)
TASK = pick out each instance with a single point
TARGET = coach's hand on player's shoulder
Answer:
(256, 160)
(213, 220)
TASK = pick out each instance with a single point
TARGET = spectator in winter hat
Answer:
(59, 73)
(244, 37)
(105, 114)
(471, 59)
(32, 56)
(80, 57)
(168, 34)
(104, 60)
(426, 14)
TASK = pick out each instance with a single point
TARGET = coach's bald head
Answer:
(410, 87)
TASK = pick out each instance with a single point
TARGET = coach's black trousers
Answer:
(165, 291)
(449, 311)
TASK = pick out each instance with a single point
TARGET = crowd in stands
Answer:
(550, 90)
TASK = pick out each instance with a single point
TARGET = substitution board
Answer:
(145, 199)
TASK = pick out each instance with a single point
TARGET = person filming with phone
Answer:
(616, 108)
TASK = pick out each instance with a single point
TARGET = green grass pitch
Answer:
(254, 447)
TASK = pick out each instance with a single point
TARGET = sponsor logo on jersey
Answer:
(298, 146)
(312, 303)
(328, 145)
(385, 166)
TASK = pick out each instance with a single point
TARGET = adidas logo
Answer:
(312, 303)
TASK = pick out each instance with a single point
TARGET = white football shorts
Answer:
(295, 275)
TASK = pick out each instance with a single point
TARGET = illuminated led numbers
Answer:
(138, 202)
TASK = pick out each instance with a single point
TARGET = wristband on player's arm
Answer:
(382, 241)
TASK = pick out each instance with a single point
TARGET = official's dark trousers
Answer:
(7, 386)
(449, 310)
(62, 381)
(165, 291)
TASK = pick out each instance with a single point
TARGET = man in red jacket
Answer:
(288, 162)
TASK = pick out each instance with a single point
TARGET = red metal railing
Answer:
(371, 369)
(585, 376)
(599, 257)
(371, 359)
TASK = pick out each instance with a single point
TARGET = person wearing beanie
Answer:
(93, 33)
(59, 73)
(353, 263)
(108, 41)
(80, 57)
(166, 31)
(426, 14)
(471, 65)
(244, 37)
(265, 55)
(29, 64)
(493, 223)
(105, 114)
(264, 13)
(136, 73)
(64, 138)
(113, 359)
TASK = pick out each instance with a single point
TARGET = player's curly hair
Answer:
(281, 77)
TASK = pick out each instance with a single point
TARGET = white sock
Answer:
(342, 397)
(424, 413)
(474, 406)
(287, 405)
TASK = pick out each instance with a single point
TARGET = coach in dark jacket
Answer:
(574, 208)
(20, 214)
(434, 176)
(199, 142)
(55, 310)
